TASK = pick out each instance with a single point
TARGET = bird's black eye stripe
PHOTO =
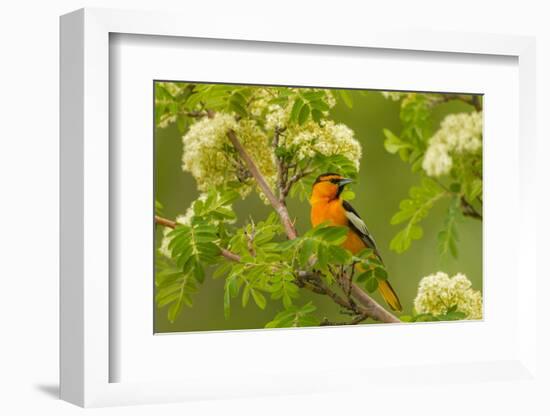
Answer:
(335, 181)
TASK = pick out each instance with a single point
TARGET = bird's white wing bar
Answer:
(358, 223)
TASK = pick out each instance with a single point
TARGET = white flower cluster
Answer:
(328, 139)
(259, 101)
(439, 292)
(206, 155)
(276, 116)
(458, 134)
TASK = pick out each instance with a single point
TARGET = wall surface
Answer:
(29, 175)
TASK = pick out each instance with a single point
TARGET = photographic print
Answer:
(280, 207)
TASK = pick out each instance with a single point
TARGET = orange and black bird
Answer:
(328, 206)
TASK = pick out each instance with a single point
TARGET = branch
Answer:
(166, 222)
(279, 207)
(281, 169)
(295, 178)
(357, 320)
(314, 282)
(469, 211)
(473, 100)
(372, 308)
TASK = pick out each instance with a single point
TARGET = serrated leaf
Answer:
(339, 255)
(413, 210)
(175, 309)
(304, 114)
(226, 303)
(319, 105)
(394, 144)
(448, 236)
(259, 298)
(246, 295)
(296, 109)
(316, 115)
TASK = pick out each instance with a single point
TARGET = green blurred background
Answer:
(384, 180)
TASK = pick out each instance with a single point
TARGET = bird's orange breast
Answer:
(334, 212)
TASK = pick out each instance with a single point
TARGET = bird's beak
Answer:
(344, 182)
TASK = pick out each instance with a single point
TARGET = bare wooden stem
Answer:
(279, 207)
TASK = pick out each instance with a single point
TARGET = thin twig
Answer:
(358, 319)
(469, 211)
(473, 100)
(293, 180)
(166, 222)
(281, 168)
(250, 239)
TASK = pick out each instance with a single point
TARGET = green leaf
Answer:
(226, 303)
(448, 237)
(236, 107)
(347, 195)
(473, 190)
(346, 98)
(304, 114)
(294, 316)
(362, 277)
(313, 95)
(158, 207)
(246, 295)
(338, 255)
(259, 298)
(316, 115)
(371, 284)
(394, 144)
(380, 273)
(455, 187)
(306, 252)
(333, 234)
(175, 309)
(296, 109)
(319, 105)
(174, 288)
(413, 210)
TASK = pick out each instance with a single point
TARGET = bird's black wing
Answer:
(359, 226)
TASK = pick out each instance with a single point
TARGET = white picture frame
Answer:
(86, 327)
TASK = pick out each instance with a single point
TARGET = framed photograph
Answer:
(283, 159)
(266, 214)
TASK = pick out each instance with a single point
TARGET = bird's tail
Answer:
(389, 295)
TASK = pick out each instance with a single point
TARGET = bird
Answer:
(327, 206)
